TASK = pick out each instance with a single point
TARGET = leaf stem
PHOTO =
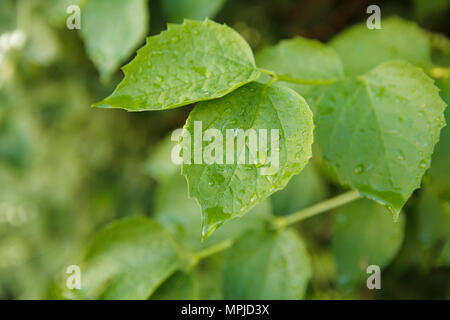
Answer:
(282, 222)
(202, 254)
(279, 77)
(439, 72)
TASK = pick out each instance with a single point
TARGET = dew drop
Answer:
(359, 169)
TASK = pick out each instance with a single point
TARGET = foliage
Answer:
(95, 187)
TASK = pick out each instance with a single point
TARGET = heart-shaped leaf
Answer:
(378, 131)
(225, 186)
(187, 63)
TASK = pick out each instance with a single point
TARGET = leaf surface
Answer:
(362, 49)
(440, 163)
(363, 235)
(267, 265)
(444, 257)
(183, 216)
(177, 10)
(303, 190)
(129, 259)
(180, 286)
(225, 191)
(111, 30)
(187, 63)
(433, 217)
(302, 59)
(378, 131)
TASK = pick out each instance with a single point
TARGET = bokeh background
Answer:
(67, 169)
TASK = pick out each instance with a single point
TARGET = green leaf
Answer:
(8, 16)
(269, 265)
(43, 45)
(364, 234)
(111, 30)
(378, 131)
(55, 11)
(177, 10)
(433, 218)
(444, 258)
(180, 215)
(129, 259)
(302, 190)
(254, 220)
(210, 272)
(225, 191)
(180, 286)
(183, 216)
(303, 59)
(159, 165)
(361, 48)
(430, 13)
(439, 170)
(187, 63)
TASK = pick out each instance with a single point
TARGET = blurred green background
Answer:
(67, 169)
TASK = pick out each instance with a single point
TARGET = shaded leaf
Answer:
(129, 259)
(303, 59)
(378, 131)
(182, 216)
(177, 10)
(444, 258)
(180, 286)
(302, 190)
(111, 30)
(159, 165)
(363, 235)
(267, 265)
(362, 49)
(433, 218)
(8, 17)
(440, 163)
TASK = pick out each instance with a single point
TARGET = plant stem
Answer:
(439, 72)
(279, 77)
(282, 222)
(202, 254)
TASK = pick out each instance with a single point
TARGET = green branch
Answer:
(282, 222)
(196, 257)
